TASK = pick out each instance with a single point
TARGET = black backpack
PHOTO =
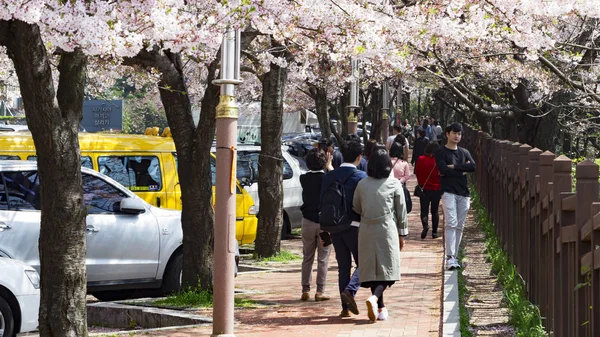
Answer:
(334, 214)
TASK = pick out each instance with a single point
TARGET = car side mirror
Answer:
(132, 206)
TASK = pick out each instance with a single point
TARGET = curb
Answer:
(451, 313)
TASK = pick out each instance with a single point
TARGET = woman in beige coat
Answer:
(379, 199)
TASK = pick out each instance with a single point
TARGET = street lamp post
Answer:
(385, 109)
(224, 246)
(353, 106)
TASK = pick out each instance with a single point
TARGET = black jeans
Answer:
(430, 198)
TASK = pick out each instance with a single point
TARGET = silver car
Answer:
(130, 244)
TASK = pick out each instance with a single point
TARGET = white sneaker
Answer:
(383, 315)
(372, 308)
(451, 263)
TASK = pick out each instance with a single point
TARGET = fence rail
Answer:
(550, 232)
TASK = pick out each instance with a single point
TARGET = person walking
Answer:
(399, 165)
(345, 242)
(379, 199)
(316, 161)
(419, 147)
(453, 163)
(428, 178)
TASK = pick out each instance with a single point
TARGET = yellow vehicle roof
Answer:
(95, 142)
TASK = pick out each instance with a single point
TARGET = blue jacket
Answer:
(340, 174)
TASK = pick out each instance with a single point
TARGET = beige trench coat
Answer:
(381, 205)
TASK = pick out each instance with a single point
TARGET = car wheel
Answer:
(172, 278)
(115, 295)
(7, 321)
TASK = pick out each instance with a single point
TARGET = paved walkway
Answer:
(414, 302)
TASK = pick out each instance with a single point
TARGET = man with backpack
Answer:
(338, 218)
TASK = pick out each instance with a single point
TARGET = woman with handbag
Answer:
(429, 189)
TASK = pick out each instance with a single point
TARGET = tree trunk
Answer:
(193, 148)
(322, 110)
(54, 122)
(270, 186)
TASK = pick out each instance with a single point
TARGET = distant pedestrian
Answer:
(316, 161)
(438, 131)
(428, 178)
(379, 199)
(454, 162)
(419, 148)
(345, 243)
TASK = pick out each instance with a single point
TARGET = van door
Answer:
(141, 174)
(171, 181)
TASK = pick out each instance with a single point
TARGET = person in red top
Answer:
(428, 177)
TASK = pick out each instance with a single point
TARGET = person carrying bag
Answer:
(429, 189)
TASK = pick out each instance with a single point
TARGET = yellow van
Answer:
(147, 165)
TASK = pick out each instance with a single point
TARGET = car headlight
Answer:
(34, 278)
(252, 210)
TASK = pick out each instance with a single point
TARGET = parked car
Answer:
(130, 243)
(248, 171)
(19, 297)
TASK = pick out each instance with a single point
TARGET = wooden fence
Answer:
(550, 232)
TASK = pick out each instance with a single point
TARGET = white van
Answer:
(293, 167)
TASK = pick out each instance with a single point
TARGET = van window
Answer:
(100, 196)
(22, 190)
(243, 170)
(137, 173)
(7, 157)
(85, 161)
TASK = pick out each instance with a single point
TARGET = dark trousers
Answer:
(430, 198)
(377, 290)
(346, 249)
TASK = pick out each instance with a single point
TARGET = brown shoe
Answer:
(305, 296)
(344, 313)
(321, 297)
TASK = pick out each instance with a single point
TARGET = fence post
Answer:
(595, 213)
(533, 231)
(587, 193)
(512, 200)
(562, 219)
(523, 220)
(546, 251)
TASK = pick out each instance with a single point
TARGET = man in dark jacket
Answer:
(454, 162)
(346, 243)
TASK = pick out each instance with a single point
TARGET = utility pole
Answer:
(224, 246)
(353, 106)
(385, 107)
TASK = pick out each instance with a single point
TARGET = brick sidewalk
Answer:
(413, 303)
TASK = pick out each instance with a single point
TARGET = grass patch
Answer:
(465, 317)
(297, 231)
(284, 256)
(524, 316)
(197, 298)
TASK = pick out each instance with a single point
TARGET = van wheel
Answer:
(172, 278)
(7, 320)
(286, 228)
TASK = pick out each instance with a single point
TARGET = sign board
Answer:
(249, 134)
(99, 115)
